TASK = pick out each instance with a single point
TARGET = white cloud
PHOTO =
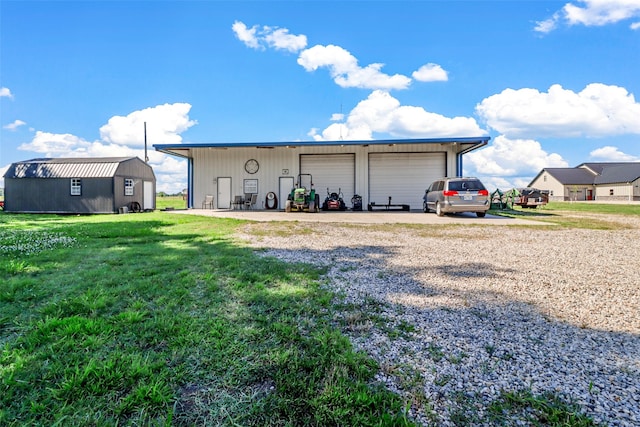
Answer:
(547, 25)
(592, 13)
(55, 145)
(342, 65)
(5, 92)
(345, 71)
(3, 170)
(508, 163)
(612, 154)
(598, 110)
(601, 12)
(382, 113)
(430, 73)
(124, 137)
(165, 123)
(280, 39)
(273, 37)
(635, 26)
(15, 125)
(246, 35)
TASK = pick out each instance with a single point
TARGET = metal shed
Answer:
(79, 185)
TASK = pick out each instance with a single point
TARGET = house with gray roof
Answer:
(79, 185)
(591, 181)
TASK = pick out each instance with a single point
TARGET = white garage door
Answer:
(403, 176)
(335, 171)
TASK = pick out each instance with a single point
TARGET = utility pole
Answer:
(146, 158)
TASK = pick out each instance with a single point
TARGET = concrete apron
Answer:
(364, 217)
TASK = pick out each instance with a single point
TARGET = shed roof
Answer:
(93, 167)
(466, 144)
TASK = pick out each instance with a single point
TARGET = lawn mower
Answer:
(334, 201)
(303, 198)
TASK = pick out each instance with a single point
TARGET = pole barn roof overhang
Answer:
(464, 144)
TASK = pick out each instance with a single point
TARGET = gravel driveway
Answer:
(471, 311)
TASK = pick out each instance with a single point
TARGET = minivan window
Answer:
(465, 185)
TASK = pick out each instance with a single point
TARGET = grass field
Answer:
(175, 202)
(156, 319)
(589, 215)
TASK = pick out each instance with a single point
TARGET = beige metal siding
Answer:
(210, 163)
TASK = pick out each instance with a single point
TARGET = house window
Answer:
(611, 191)
(128, 187)
(76, 187)
(545, 178)
(550, 192)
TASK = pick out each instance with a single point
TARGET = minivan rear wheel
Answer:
(439, 209)
(481, 214)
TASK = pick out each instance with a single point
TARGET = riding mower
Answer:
(303, 198)
(334, 201)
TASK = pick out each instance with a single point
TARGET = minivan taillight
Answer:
(448, 193)
(483, 193)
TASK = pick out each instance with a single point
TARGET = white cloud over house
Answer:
(165, 123)
(123, 136)
(508, 163)
(596, 111)
(381, 113)
(609, 153)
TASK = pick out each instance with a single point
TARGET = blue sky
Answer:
(554, 83)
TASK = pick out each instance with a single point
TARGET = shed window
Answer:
(128, 187)
(76, 187)
(611, 191)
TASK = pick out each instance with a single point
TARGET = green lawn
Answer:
(589, 215)
(156, 319)
(175, 202)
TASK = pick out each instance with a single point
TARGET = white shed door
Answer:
(333, 171)
(403, 176)
(147, 195)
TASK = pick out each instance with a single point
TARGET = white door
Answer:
(403, 176)
(332, 171)
(147, 195)
(224, 192)
(286, 184)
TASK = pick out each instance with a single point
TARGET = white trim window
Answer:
(128, 187)
(76, 187)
